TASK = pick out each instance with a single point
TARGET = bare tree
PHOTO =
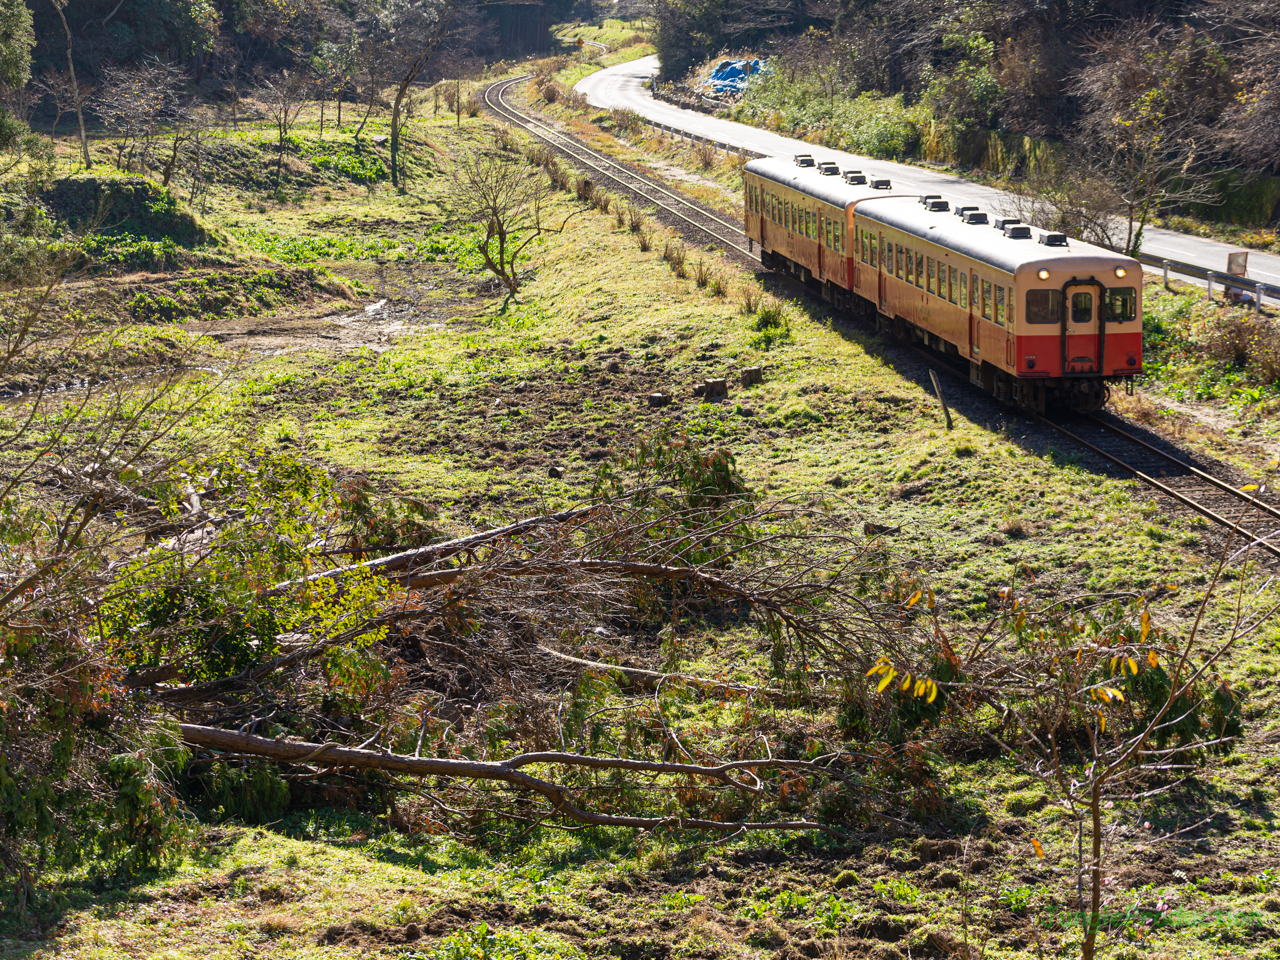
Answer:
(65, 91)
(509, 199)
(285, 95)
(75, 87)
(1251, 30)
(1151, 94)
(136, 102)
(416, 37)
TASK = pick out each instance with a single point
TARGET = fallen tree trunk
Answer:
(508, 771)
(436, 551)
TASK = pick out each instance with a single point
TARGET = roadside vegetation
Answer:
(234, 725)
(1166, 118)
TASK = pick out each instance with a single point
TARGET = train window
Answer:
(1044, 306)
(1081, 309)
(919, 269)
(1013, 298)
(830, 231)
(986, 299)
(955, 284)
(1000, 305)
(1122, 304)
(900, 252)
(932, 275)
(810, 227)
(973, 289)
(864, 245)
(873, 250)
(964, 289)
(911, 267)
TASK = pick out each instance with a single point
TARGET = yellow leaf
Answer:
(1035, 845)
(888, 679)
(1133, 666)
(1249, 486)
(906, 684)
(1146, 623)
(1102, 723)
(919, 688)
(1114, 661)
(933, 691)
(1153, 659)
(1022, 619)
(1274, 464)
(914, 597)
(931, 601)
(878, 668)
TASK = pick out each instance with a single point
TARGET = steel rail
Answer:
(1164, 488)
(543, 132)
(1221, 484)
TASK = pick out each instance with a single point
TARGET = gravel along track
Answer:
(1207, 488)
(695, 222)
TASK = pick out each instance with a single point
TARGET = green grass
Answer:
(469, 408)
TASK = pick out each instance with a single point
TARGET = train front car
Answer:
(1040, 318)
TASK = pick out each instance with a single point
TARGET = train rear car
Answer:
(1039, 317)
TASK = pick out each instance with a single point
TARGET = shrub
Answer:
(717, 285)
(645, 238)
(705, 154)
(619, 215)
(701, 273)
(626, 121)
(585, 189)
(635, 218)
(475, 104)
(749, 298)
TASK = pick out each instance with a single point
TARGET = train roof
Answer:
(982, 242)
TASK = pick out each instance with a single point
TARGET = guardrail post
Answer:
(1257, 298)
(1166, 273)
(1208, 284)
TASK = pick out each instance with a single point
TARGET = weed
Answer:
(475, 104)
(635, 218)
(834, 913)
(1017, 899)
(705, 154)
(574, 100)
(674, 254)
(718, 286)
(480, 943)
(585, 190)
(966, 450)
(749, 296)
(896, 889)
(619, 215)
(679, 900)
(505, 138)
(626, 121)
(701, 273)
(645, 239)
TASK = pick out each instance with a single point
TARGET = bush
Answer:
(125, 206)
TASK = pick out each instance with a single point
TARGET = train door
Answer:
(1081, 346)
(970, 299)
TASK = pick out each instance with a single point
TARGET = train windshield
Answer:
(1122, 304)
(1044, 306)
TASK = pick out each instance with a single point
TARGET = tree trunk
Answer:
(395, 129)
(1089, 947)
(75, 86)
(373, 95)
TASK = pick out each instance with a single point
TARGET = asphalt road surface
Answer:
(622, 86)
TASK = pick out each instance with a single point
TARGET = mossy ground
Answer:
(467, 398)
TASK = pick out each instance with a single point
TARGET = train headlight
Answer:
(1043, 274)
(1120, 272)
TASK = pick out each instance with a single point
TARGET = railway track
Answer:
(684, 213)
(1172, 472)
(1205, 490)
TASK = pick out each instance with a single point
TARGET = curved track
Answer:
(684, 212)
(1219, 500)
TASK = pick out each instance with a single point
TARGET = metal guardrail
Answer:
(694, 138)
(1258, 288)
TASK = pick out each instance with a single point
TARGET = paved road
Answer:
(622, 86)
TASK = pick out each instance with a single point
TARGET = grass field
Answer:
(404, 363)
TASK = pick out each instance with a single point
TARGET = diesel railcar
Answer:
(1040, 317)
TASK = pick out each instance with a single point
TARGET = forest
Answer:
(412, 545)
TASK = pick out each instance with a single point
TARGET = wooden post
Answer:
(937, 388)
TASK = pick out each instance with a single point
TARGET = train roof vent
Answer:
(961, 211)
(1017, 231)
(925, 199)
(804, 160)
(938, 206)
(828, 168)
(973, 216)
(1053, 239)
(854, 176)
(1001, 222)
(881, 184)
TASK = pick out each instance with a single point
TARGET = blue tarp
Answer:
(731, 75)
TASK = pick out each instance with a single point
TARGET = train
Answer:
(1042, 319)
